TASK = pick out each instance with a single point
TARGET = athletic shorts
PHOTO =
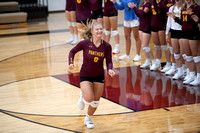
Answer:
(132, 23)
(176, 34)
(148, 32)
(111, 15)
(70, 10)
(191, 35)
(84, 21)
(99, 79)
(157, 29)
(97, 14)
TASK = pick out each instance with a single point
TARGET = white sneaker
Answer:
(88, 122)
(196, 82)
(70, 41)
(171, 71)
(137, 58)
(116, 49)
(190, 78)
(81, 104)
(166, 67)
(146, 64)
(179, 74)
(187, 74)
(186, 71)
(75, 41)
(155, 66)
(124, 57)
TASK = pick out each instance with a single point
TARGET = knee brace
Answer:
(73, 24)
(184, 56)
(95, 104)
(115, 32)
(69, 23)
(196, 59)
(146, 49)
(189, 58)
(164, 47)
(88, 103)
(157, 47)
(171, 50)
(176, 56)
(106, 32)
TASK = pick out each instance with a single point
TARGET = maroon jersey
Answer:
(95, 4)
(83, 11)
(166, 4)
(145, 18)
(93, 57)
(158, 17)
(188, 24)
(109, 8)
(70, 5)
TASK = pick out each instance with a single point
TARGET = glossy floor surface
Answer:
(39, 94)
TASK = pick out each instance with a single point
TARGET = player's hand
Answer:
(111, 72)
(71, 66)
(131, 5)
(189, 11)
(195, 18)
(172, 15)
(168, 38)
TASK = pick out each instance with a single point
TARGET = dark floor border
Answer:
(39, 32)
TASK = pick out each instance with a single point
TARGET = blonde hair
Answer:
(193, 3)
(86, 32)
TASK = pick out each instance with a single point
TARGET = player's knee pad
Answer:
(88, 103)
(171, 50)
(164, 47)
(106, 32)
(184, 56)
(157, 47)
(176, 56)
(196, 59)
(69, 23)
(115, 32)
(146, 49)
(189, 58)
(95, 104)
(73, 24)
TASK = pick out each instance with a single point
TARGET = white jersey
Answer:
(171, 24)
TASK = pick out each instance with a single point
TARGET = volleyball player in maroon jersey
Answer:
(97, 10)
(70, 12)
(191, 40)
(158, 24)
(110, 19)
(144, 13)
(83, 13)
(95, 50)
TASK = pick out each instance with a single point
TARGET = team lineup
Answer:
(173, 26)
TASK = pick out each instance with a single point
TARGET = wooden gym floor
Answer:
(39, 94)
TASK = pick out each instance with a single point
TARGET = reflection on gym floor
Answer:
(142, 89)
